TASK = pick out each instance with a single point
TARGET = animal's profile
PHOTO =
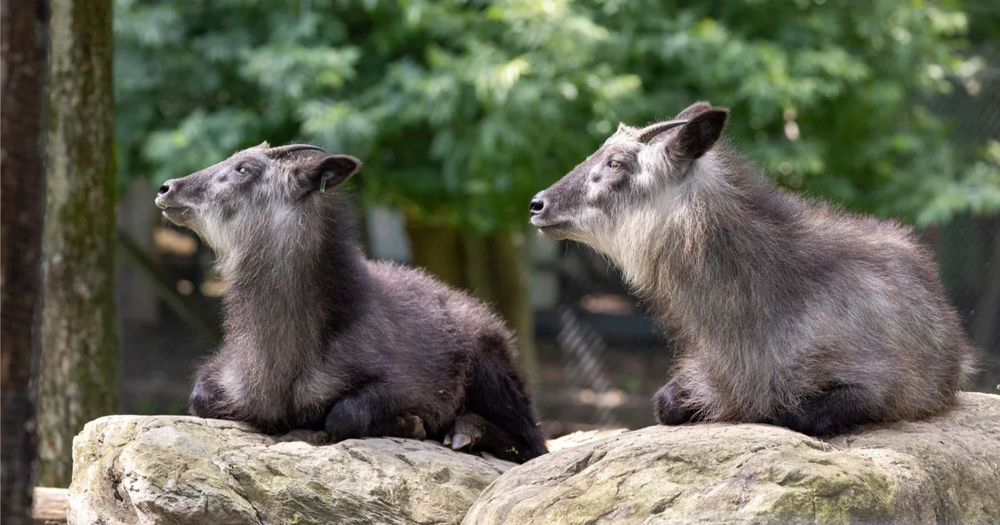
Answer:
(317, 336)
(786, 310)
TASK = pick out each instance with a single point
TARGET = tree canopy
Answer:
(463, 110)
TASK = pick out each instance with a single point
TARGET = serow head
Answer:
(254, 189)
(636, 168)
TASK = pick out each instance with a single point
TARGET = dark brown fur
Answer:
(317, 336)
(786, 310)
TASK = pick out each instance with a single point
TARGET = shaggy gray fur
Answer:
(785, 310)
(316, 335)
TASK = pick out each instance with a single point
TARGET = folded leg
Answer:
(836, 410)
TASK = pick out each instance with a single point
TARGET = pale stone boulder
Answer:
(178, 470)
(181, 470)
(944, 469)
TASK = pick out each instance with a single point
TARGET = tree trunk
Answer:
(493, 268)
(475, 256)
(437, 250)
(23, 48)
(79, 371)
(510, 276)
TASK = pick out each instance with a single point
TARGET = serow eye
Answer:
(242, 170)
(615, 165)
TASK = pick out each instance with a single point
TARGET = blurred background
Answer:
(462, 110)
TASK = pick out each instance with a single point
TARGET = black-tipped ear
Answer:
(331, 171)
(694, 109)
(700, 133)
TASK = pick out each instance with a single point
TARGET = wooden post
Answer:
(23, 56)
(50, 506)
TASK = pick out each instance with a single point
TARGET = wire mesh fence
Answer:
(599, 327)
(601, 357)
(612, 359)
(609, 357)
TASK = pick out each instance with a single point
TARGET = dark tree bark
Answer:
(437, 248)
(79, 371)
(23, 48)
(510, 276)
(493, 268)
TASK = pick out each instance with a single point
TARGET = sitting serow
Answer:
(318, 337)
(785, 310)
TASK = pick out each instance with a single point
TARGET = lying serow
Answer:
(785, 310)
(318, 337)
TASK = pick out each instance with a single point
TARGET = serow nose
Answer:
(163, 189)
(536, 206)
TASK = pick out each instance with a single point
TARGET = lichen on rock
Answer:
(943, 469)
(179, 470)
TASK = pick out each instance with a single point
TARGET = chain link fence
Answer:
(600, 355)
(606, 358)
(968, 247)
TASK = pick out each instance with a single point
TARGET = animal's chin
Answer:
(558, 231)
(178, 216)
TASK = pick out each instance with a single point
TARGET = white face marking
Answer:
(662, 210)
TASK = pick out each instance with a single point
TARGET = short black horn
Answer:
(647, 133)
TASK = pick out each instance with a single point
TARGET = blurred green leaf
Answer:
(463, 110)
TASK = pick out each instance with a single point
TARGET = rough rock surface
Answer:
(581, 438)
(944, 469)
(180, 470)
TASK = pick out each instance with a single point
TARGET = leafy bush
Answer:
(462, 110)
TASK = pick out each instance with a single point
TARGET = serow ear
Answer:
(701, 133)
(693, 110)
(331, 171)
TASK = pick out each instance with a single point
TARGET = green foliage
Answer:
(462, 110)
